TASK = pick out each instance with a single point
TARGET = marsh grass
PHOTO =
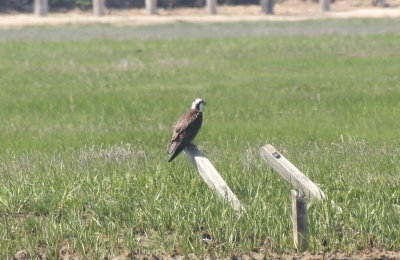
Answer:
(85, 124)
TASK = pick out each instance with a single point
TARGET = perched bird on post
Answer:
(186, 128)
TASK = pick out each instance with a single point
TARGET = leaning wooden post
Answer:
(211, 7)
(300, 221)
(325, 5)
(40, 7)
(288, 171)
(299, 203)
(99, 7)
(267, 6)
(211, 177)
(151, 6)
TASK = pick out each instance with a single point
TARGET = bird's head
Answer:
(198, 104)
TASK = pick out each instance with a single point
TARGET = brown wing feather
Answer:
(176, 136)
(185, 130)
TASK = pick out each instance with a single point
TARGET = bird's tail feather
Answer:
(176, 153)
(172, 147)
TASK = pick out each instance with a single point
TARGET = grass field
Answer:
(85, 123)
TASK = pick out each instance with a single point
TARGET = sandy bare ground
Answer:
(293, 10)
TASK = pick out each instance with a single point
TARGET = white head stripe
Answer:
(197, 101)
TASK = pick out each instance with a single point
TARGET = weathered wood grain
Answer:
(300, 221)
(211, 177)
(288, 171)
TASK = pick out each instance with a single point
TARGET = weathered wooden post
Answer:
(99, 7)
(40, 7)
(211, 7)
(267, 6)
(325, 5)
(211, 177)
(151, 6)
(300, 221)
(288, 171)
(299, 203)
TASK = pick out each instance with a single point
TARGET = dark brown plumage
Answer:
(186, 128)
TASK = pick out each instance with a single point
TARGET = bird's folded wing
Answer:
(180, 135)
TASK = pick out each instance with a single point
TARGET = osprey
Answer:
(186, 128)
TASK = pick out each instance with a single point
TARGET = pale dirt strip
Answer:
(195, 15)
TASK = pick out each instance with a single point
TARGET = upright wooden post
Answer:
(99, 7)
(211, 7)
(267, 6)
(211, 177)
(151, 6)
(325, 5)
(300, 221)
(40, 7)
